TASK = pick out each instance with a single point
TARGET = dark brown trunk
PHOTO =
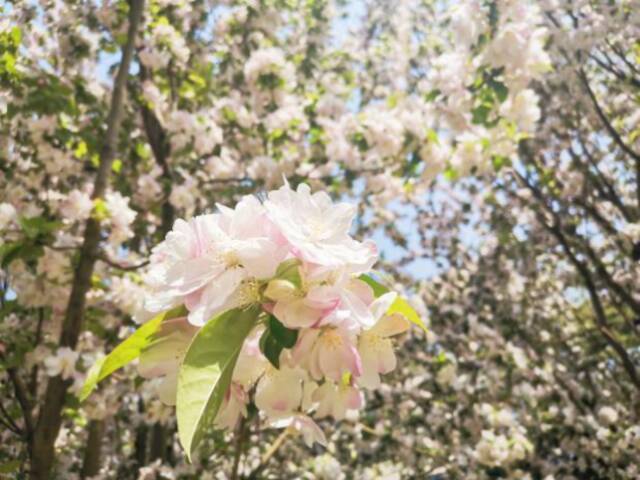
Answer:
(50, 417)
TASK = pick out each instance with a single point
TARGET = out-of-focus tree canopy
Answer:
(492, 148)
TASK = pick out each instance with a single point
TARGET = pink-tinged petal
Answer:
(260, 257)
(232, 408)
(331, 363)
(323, 297)
(304, 346)
(360, 312)
(325, 397)
(354, 398)
(198, 315)
(167, 389)
(161, 301)
(280, 405)
(303, 425)
(279, 392)
(187, 276)
(296, 313)
(310, 431)
(354, 362)
(314, 365)
(370, 378)
(275, 234)
(386, 358)
(191, 301)
(215, 295)
(362, 290)
(309, 388)
(381, 304)
(390, 325)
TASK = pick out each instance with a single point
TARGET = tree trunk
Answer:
(50, 417)
(158, 442)
(91, 462)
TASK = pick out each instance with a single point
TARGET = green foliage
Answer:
(270, 81)
(489, 92)
(26, 251)
(276, 338)
(38, 227)
(290, 270)
(127, 351)
(270, 348)
(38, 232)
(10, 467)
(9, 43)
(206, 372)
(55, 99)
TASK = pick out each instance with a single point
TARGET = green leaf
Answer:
(228, 114)
(378, 288)
(480, 114)
(35, 226)
(11, 251)
(143, 150)
(206, 372)
(499, 161)
(432, 95)
(501, 90)
(116, 166)
(450, 174)
(100, 210)
(290, 270)
(197, 80)
(400, 305)
(81, 150)
(270, 348)
(286, 337)
(127, 351)
(10, 466)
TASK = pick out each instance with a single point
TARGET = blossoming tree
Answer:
(473, 134)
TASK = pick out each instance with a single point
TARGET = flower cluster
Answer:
(322, 334)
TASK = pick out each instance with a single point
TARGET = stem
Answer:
(269, 453)
(23, 400)
(237, 454)
(50, 418)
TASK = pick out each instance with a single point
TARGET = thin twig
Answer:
(269, 453)
(23, 400)
(119, 266)
(605, 121)
(237, 454)
(8, 421)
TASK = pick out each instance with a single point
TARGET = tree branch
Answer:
(112, 263)
(600, 314)
(22, 397)
(605, 121)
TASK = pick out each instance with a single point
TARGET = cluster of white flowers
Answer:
(200, 127)
(268, 65)
(121, 216)
(293, 256)
(502, 450)
(165, 42)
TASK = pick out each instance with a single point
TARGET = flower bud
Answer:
(280, 290)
